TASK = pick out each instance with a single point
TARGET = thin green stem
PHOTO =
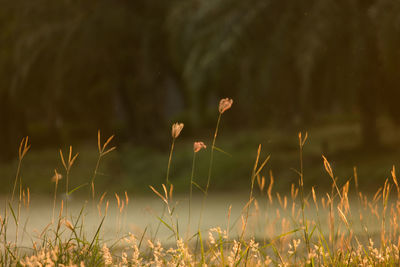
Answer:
(167, 182)
(190, 193)
(55, 198)
(212, 153)
(169, 160)
(209, 178)
(18, 215)
(66, 194)
(305, 227)
(249, 204)
(94, 176)
(16, 179)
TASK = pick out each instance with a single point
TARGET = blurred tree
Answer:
(290, 59)
(68, 68)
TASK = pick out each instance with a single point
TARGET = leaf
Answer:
(199, 187)
(97, 233)
(282, 235)
(312, 231)
(222, 151)
(201, 247)
(13, 214)
(263, 165)
(141, 238)
(166, 224)
(76, 188)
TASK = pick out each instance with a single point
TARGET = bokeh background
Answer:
(134, 67)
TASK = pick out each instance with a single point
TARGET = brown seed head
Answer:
(225, 104)
(68, 224)
(176, 129)
(197, 146)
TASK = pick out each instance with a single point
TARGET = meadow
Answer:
(325, 221)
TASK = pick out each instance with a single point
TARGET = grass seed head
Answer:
(197, 146)
(176, 130)
(225, 104)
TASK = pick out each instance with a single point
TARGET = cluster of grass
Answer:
(319, 229)
(134, 167)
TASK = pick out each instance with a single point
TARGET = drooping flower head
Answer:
(197, 146)
(225, 104)
(176, 129)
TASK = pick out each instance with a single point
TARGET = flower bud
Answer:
(198, 146)
(176, 129)
(225, 104)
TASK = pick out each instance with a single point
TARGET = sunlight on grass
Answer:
(305, 227)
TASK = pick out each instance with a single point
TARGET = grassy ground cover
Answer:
(313, 221)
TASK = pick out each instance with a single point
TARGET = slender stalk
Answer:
(18, 215)
(167, 181)
(305, 226)
(23, 149)
(102, 152)
(255, 172)
(94, 176)
(209, 178)
(55, 198)
(190, 193)
(5, 231)
(212, 153)
(16, 179)
(169, 161)
(253, 176)
(19, 179)
(66, 194)
(246, 217)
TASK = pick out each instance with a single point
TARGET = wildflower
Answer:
(236, 249)
(106, 255)
(225, 104)
(198, 146)
(176, 129)
(267, 261)
(211, 237)
(296, 243)
(124, 258)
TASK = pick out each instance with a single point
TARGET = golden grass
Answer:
(273, 229)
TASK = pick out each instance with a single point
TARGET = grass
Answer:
(136, 167)
(327, 223)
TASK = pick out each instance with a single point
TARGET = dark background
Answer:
(133, 67)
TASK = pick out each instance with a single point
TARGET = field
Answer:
(318, 221)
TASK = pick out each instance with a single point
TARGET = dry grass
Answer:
(303, 228)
